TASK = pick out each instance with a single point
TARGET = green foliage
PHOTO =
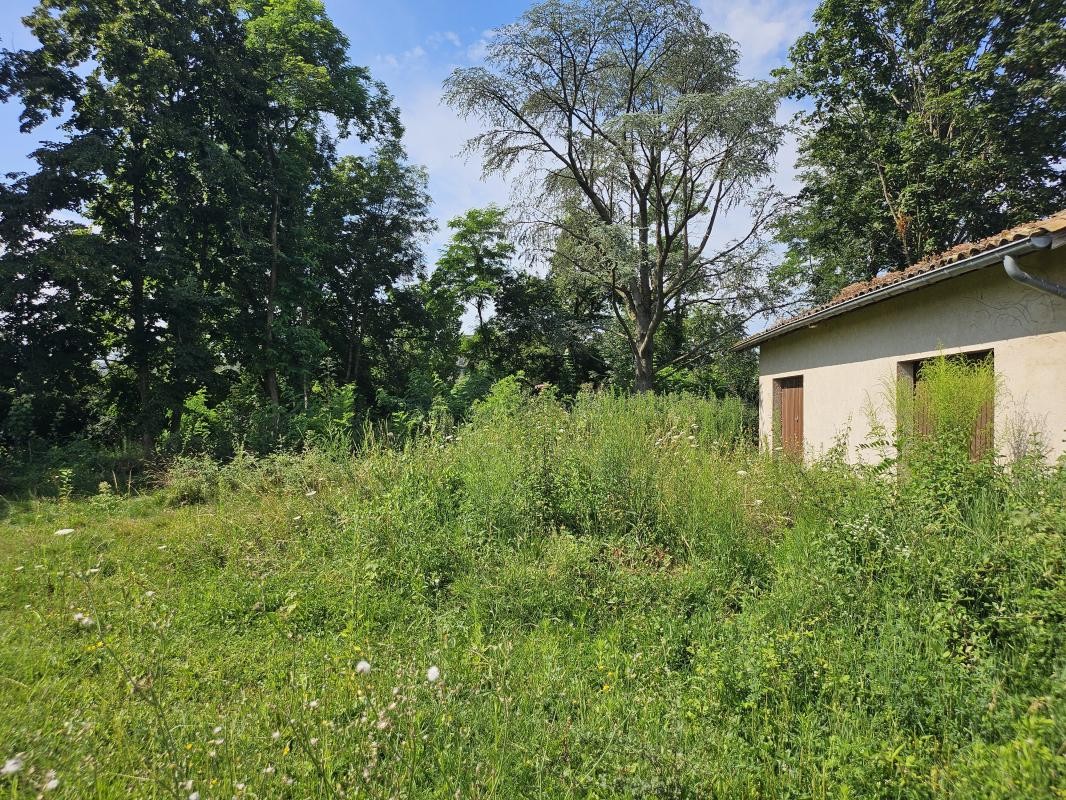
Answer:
(936, 425)
(639, 135)
(929, 125)
(623, 598)
(198, 150)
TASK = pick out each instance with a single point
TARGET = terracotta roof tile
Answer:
(1052, 224)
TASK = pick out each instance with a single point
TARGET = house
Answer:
(825, 375)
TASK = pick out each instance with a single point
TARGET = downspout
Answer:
(1016, 273)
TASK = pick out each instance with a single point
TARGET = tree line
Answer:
(193, 263)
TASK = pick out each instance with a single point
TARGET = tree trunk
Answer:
(644, 368)
(140, 360)
(139, 349)
(271, 376)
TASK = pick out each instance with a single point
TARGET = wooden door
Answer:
(790, 410)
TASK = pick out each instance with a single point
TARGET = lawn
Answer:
(622, 598)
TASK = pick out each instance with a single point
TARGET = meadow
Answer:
(614, 597)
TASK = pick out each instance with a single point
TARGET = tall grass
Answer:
(623, 598)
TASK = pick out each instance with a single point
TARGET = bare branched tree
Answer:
(641, 139)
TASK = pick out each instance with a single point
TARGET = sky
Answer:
(412, 45)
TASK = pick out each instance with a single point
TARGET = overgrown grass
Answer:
(623, 600)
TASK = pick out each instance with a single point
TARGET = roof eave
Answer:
(961, 267)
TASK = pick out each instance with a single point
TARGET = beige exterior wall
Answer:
(849, 363)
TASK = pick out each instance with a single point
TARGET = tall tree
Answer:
(311, 94)
(129, 81)
(641, 135)
(366, 219)
(933, 123)
(476, 259)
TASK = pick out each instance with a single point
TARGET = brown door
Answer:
(790, 406)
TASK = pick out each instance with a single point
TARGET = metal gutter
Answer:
(1016, 273)
(975, 262)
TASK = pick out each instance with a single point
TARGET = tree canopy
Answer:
(931, 124)
(640, 136)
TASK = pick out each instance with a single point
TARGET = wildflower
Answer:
(314, 741)
(758, 502)
(310, 493)
(268, 770)
(12, 765)
(149, 593)
(217, 730)
(53, 781)
(382, 724)
(187, 786)
(433, 674)
(194, 796)
(313, 704)
(363, 667)
(275, 735)
(64, 532)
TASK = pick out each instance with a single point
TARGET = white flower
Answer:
(742, 472)
(363, 667)
(314, 741)
(217, 730)
(194, 796)
(275, 735)
(53, 781)
(149, 593)
(64, 532)
(11, 766)
(313, 704)
(87, 622)
(187, 786)
(433, 674)
(310, 493)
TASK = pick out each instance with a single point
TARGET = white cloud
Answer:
(764, 29)
(479, 49)
(434, 138)
(438, 38)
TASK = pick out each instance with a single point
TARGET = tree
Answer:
(366, 220)
(475, 260)
(932, 124)
(302, 75)
(134, 87)
(632, 120)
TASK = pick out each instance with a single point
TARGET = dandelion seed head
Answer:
(12, 765)
(433, 674)
(363, 667)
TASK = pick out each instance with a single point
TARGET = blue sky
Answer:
(412, 45)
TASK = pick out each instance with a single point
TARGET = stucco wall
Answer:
(849, 363)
